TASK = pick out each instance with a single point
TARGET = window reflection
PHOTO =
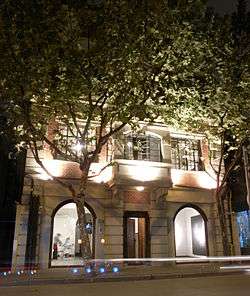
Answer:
(243, 222)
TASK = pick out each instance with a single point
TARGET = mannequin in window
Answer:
(56, 244)
(67, 248)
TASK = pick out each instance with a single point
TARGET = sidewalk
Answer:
(125, 273)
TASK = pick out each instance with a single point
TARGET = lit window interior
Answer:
(66, 236)
(243, 221)
(190, 235)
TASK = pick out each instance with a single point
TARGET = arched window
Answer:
(190, 233)
(65, 247)
(142, 147)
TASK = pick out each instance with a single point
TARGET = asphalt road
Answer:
(205, 286)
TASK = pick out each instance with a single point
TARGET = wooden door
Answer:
(141, 238)
(131, 238)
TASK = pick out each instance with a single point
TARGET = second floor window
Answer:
(69, 141)
(142, 147)
(185, 154)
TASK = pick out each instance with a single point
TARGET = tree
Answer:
(91, 66)
(220, 107)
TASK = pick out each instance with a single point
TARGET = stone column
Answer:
(158, 224)
(113, 233)
(217, 232)
(20, 237)
(99, 235)
(235, 235)
(45, 238)
(166, 148)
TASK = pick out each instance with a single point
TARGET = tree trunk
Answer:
(80, 202)
(223, 223)
(219, 197)
(222, 192)
(85, 243)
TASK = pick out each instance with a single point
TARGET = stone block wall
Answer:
(109, 208)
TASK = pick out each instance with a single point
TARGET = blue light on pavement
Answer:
(88, 269)
(102, 270)
(115, 269)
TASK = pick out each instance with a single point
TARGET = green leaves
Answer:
(116, 64)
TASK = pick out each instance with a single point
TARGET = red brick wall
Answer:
(136, 197)
(205, 152)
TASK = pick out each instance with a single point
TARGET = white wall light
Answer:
(140, 188)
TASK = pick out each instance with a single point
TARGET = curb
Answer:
(118, 278)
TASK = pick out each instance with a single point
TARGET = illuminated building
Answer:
(155, 200)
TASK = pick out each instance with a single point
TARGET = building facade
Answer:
(156, 200)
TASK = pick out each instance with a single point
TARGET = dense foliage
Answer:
(100, 65)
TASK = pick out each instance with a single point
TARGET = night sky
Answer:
(225, 6)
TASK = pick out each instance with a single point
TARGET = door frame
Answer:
(203, 215)
(136, 214)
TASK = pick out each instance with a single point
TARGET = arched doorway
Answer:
(190, 233)
(65, 239)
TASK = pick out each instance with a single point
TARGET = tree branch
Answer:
(73, 116)
(106, 166)
(232, 164)
(34, 151)
(220, 161)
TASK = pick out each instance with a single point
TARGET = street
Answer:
(232, 285)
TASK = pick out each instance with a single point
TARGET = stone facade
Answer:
(150, 188)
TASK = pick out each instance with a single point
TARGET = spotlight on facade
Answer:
(129, 144)
(102, 241)
(115, 269)
(18, 273)
(44, 176)
(78, 147)
(88, 269)
(102, 269)
(32, 272)
(5, 273)
(140, 188)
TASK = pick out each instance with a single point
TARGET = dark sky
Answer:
(225, 6)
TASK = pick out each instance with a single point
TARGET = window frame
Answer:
(140, 147)
(186, 154)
